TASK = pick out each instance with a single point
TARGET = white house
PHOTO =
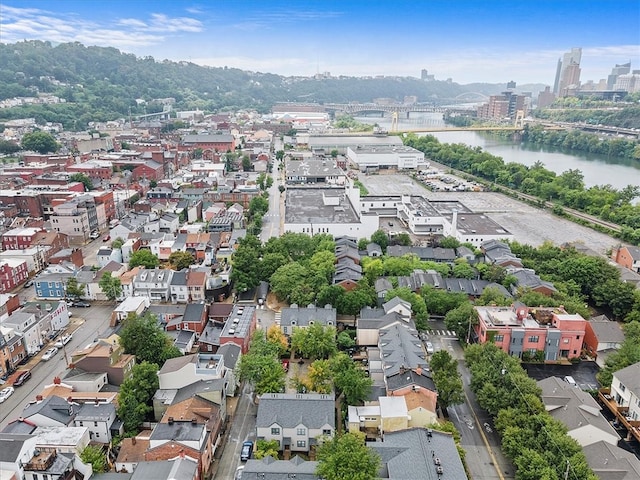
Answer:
(154, 284)
(189, 369)
(295, 421)
(98, 418)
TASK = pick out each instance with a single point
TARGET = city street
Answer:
(86, 325)
(272, 220)
(481, 443)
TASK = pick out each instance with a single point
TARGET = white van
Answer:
(570, 380)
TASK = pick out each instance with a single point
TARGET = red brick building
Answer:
(149, 170)
(13, 272)
(19, 238)
(627, 256)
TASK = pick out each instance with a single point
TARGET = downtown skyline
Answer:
(467, 41)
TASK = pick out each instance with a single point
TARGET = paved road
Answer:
(243, 425)
(87, 324)
(484, 457)
(272, 220)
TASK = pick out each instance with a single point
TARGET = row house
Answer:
(149, 170)
(105, 355)
(33, 257)
(12, 350)
(27, 326)
(193, 320)
(94, 169)
(13, 272)
(19, 238)
(519, 329)
(628, 256)
(155, 284)
(209, 143)
(622, 399)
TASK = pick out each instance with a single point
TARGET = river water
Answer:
(596, 169)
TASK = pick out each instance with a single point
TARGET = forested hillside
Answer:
(103, 83)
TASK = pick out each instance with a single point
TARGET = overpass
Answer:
(390, 109)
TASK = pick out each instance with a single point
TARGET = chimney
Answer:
(454, 223)
(38, 398)
(419, 370)
(170, 421)
(194, 421)
(133, 440)
(57, 381)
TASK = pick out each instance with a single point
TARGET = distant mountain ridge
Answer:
(105, 83)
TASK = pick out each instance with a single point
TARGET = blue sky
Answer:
(482, 40)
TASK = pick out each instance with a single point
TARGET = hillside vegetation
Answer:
(103, 83)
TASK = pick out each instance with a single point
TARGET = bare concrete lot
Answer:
(529, 225)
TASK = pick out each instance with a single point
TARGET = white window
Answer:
(301, 444)
(301, 431)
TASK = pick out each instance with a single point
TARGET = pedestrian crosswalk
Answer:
(443, 333)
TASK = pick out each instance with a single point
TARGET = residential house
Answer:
(622, 399)
(577, 411)
(425, 254)
(28, 326)
(15, 452)
(105, 355)
(609, 461)
(230, 353)
(183, 371)
(193, 320)
(64, 439)
(177, 468)
(52, 286)
(387, 414)
(419, 453)
(183, 340)
(19, 238)
(169, 222)
(419, 392)
(126, 281)
(347, 273)
(399, 306)
(239, 327)
(296, 421)
(209, 341)
(155, 284)
(12, 350)
(499, 253)
(601, 337)
(51, 411)
(628, 256)
(149, 170)
(527, 280)
(13, 272)
(519, 330)
(178, 287)
(371, 320)
(130, 305)
(212, 390)
(269, 467)
(93, 288)
(99, 418)
(196, 285)
(382, 286)
(374, 250)
(91, 385)
(295, 317)
(107, 254)
(180, 437)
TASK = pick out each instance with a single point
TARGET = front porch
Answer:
(621, 414)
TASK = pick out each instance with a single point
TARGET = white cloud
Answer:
(127, 33)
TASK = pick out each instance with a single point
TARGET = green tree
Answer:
(447, 379)
(246, 163)
(345, 341)
(136, 392)
(82, 178)
(266, 448)
(96, 456)
(144, 258)
(346, 457)
(449, 242)
(381, 238)
(143, 337)
(461, 319)
(117, 243)
(315, 341)
(462, 269)
(181, 260)
(351, 382)
(245, 275)
(261, 365)
(258, 206)
(439, 301)
(320, 377)
(74, 289)
(41, 142)
(8, 147)
(110, 286)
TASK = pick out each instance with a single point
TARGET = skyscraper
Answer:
(616, 72)
(567, 72)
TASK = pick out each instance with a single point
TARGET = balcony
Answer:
(620, 412)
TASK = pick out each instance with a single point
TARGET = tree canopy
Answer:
(136, 392)
(41, 142)
(143, 337)
(346, 457)
(144, 258)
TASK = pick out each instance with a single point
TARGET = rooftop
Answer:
(318, 205)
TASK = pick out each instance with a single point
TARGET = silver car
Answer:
(430, 348)
(49, 354)
(5, 393)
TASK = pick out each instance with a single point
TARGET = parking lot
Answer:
(584, 373)
(529, 225)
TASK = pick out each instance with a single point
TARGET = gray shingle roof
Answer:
(630, 377)
(176, 469)
(610, 462)
(52, 407)
(410, 454)
(180, 431)
(281, 469)
(290, 410)
(10, 446)
(400, 347)
(302, 316)
(96, 413)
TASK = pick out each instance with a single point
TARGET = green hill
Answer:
(101, 84)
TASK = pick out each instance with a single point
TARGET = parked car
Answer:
(28, 283)
(430, 348)
(22, 378)
(49, 354)
(53, 335)
(239, 470)
(106, 238)
(5, 393)
(81, 304)
(247, 450)
(94, 235)
(63, 340)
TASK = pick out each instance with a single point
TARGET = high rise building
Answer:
(545, 98)
(568, 73)
(616, 72)
(501, 107)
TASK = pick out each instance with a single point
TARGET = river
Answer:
(596, 169)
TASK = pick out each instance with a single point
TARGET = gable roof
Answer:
(400, 348)
(610, 462)
(630, 377)
(303, 316)
(11, 445)
(53, 407)
(180, 468)
(289, 410)
(410, 454)
(178, 430)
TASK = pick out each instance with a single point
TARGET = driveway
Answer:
(584, 373)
